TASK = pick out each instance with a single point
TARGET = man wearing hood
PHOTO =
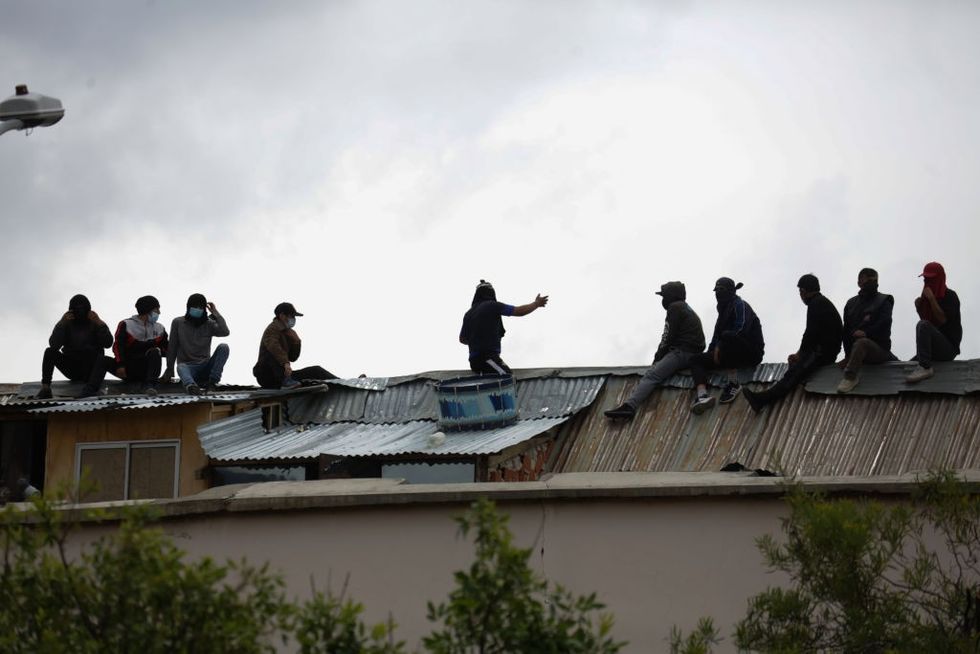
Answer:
(867, 329)
(483, 328)
(938, 332)
(77, 348)
(190, 346)
(279, 348)
(736, 343)
(683, 338)
(819, 347)
(140, 345)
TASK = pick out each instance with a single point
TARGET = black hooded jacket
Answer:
(682, 327)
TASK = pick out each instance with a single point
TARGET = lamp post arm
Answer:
(8, 125)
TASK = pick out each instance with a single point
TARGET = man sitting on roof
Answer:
(819, 347)
(483, 328)
(938, 333)
(279, 347)
(77, 347)
(190, 346)
(683, 337)
(736, 343)
(867, 329)
(140, 344)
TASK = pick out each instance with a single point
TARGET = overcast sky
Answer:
(372, 161)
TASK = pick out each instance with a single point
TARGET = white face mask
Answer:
(154, 316)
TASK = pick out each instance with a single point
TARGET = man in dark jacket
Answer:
(867, 329)
(939, 331)
(483, 328)
(819, 347)
(736, 343)
(77, 348)
(140, 345)
(279, 348)
(683, 337)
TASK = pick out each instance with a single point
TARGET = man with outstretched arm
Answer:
(939, 331)
(820, 345)
(683, 338)
(190, 346)
(483, 328)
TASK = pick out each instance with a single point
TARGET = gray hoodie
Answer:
(190, 343)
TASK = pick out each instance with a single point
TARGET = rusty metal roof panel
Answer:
(951, 378)
(805, 434)
(242, 438)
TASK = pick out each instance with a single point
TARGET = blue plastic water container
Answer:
(482, 402)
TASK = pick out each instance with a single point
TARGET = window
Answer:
(127, 471)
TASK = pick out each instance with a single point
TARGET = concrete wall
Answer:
(65, 430)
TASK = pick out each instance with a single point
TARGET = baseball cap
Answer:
(287, 308)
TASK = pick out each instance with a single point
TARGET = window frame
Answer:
(129, 446)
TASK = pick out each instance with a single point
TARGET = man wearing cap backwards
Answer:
(190, 346)
(77, 347)
(867, 329)
(483, 328)
(280, 346)
(683, 337)
(736, 343)
(819, 347)
(140, 345)
(939, 332)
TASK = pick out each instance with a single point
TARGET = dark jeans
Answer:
(145, 368)
(796, 374)
(272, 375)
(931, 345)
(489, 364)
(733, 352)
(88, 366)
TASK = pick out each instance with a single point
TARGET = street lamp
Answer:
(25, 110)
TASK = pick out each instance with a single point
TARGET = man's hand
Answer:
(927, 294)
(212, 308)
(859, 333)
(793, 359)
(541, 300)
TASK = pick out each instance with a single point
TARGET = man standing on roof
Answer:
(938, 332)
(280, 346)
(736, 343)
(190, 346)
(867, 329)
(819, 347)
(140, 345)
(483, 328)
(683, 338)
(77, 347)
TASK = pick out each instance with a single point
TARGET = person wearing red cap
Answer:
(938, 332)
(279, 348)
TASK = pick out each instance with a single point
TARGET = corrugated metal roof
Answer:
(806, 434)
(416, 400)
(242, 438)
(951, 378)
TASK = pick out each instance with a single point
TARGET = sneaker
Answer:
(290, 383)
(848, 383)
(193, 389)
(754, 399)
(44, 393)
(919, 374)
(702, 404)
(622, 412)
(90, 391)
(149, 390)
(730, 392)
(211, 387)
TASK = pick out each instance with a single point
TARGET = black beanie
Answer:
(808, 283)
(80, 304)
(146, 304)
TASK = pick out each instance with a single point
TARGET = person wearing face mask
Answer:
(736, 343)
(190, 346)
(483, 328)
(867, 329)
(939, 331)
(140, 345)
(820, 345)
(279, 348)
(682, 338)
(77, 348)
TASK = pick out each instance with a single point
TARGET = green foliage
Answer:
(698, 641)
(330, 624)
(501, 606)
(868, 577)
